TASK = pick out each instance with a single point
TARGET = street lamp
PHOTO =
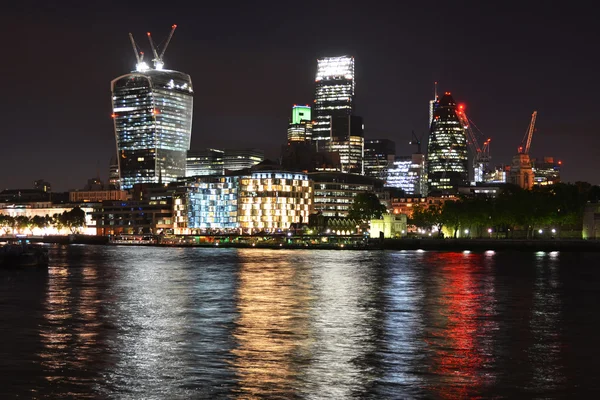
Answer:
(490, 232)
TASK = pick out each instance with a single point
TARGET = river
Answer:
(191, 323)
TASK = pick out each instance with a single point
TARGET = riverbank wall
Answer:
(431, 244)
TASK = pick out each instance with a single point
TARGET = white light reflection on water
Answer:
(152, 292)
(342, 322)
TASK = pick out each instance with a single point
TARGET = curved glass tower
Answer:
(152, 113)
(447, 162)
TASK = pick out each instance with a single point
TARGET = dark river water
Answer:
(190, 323)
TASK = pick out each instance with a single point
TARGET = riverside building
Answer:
(262, 200)
(334, 192)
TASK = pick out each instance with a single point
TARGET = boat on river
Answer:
(22, 254)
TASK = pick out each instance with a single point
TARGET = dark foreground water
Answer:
(169, 323)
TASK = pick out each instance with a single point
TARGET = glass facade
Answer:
(237, 159)
(274, 200)
(335, 191)
(447, 155)
(205, 162)
(407, 174)
(210, 202)
(334, 95)
(300, 132)
(379, 155)
(265, 200)
(152, 114)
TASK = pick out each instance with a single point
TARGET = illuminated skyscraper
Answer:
(334, 96)
(152, 113)
(447, 156)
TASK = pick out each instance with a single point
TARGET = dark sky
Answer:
(251, 61)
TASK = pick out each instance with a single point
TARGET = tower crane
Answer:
(481, 155)
(139, 55)
(158, 58)
(417, 142)
(528, 135)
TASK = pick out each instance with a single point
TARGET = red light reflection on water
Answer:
(460, 342)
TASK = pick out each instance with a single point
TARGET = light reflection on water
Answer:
(126, 322)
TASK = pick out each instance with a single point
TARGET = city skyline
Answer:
(501, 75)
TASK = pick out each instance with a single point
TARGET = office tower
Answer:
(447, 156)
(407, 173)
(347, 140)
(301, 126)
(417, 169)
(334, 192)
(237, 159)
(334, 96)
(379, 155)
(152, 113)
(205, 162)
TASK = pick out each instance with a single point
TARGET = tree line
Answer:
(72, 220)
(560, 205)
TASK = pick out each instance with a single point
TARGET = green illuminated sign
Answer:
(300, 113)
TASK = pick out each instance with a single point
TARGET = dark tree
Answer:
(365, 207)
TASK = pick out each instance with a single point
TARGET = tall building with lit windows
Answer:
(334, 97)
(379, 156)
(152, 114)
(447, 162)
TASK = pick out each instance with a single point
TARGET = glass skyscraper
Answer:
(334, 96)
(152, 113)
(379, 156)
(447, 155)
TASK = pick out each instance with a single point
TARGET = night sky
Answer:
(251, 61)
